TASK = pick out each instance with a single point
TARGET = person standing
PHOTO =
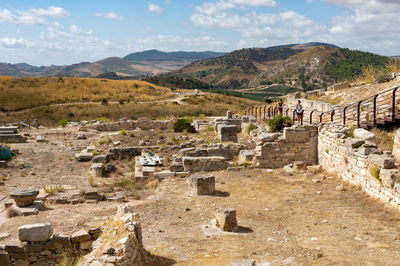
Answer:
(299, 111)
(280, 107)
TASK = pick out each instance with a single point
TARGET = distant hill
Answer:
(136, 64)
(308, 66)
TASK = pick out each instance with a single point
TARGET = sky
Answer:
(61, 32)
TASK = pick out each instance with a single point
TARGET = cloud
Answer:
(211, 8)
(110, 15)
(7, 42)
(153, 8)
(32, 17)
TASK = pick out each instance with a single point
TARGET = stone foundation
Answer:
(207, 164)
(142, 123)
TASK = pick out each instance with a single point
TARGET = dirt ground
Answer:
(285, 219)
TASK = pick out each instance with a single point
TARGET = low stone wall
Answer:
(207, 164)
(48, 251)
(120, 243)
(359, 162)
(204, 151)
(142, 123)
(297, 143)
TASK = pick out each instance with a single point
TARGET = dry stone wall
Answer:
(142, 123)
(359, 162)
(297, 143)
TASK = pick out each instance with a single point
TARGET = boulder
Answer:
(80, 236)
(226, 219)
(35, 232)
(365, 135)
(40, 139)
(81, 136)
(202, 184)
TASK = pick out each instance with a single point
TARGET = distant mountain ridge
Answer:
(134, 64)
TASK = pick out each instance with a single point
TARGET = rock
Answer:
(3, 164)
(109, 168)
(84, 156)
(4, 258)
(176, 167)
(81, 136)
(316, 180)
(97, 169)
(299, 165)
(80, 236)
(245, 156)
(243, 263)
(202, 184)
(354, 143)
(100, 159)
(86, 245)
(382, 161)
(35, 232)
(24, 197)
(4, 235)
(40, 139)
(226, 219)
(229, 114)
(396, 146)
(268, 137)
(340, 187)
(365, 135)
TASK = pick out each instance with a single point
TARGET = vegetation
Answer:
(250, 128)
(385, 138)
(375, 172)
(183, 125)
(278, 123)
(178, 82)
(63, 122)
(346, 64)
(22, 93)
(251, 96)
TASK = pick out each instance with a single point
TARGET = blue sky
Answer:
(44, 32)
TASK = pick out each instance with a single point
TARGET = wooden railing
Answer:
(379, 109)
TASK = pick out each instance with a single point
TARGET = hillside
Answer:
(135, 64)
(307, 66)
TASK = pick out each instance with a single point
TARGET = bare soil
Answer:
(284, 218)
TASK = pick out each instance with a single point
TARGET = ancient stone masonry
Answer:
(359, 162)
(37, 245)
(11, 135)
(297, 143)
(120, 243)
(142, 123)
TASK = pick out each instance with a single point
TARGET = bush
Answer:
(123, 132)
(278, 123)
(183, 124)
(375, 172)
(250, 128)
(63, 123)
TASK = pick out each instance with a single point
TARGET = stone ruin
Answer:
(201, 184)
(11, 135)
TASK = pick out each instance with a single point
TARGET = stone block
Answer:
(176, 167)
(4, 258)
(81, 136)
(354, 143)
(245, 156)
(269, 137)
(389, 177)
(24, 197)
(226, 219)
(84, 156)
(80, 236)
(100, 159)
(396, 146)
(208, 164)
(365, 135)
(202, 184)
(229, 114)
(85, 245)
(35, 232)
(97, 169)
(295, 136)
(382, 161)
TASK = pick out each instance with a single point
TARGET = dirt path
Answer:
(294, 221)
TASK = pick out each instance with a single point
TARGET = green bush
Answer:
(250, 128)
(278, 123)
(63, 123)
(183, 124)
(375, 172)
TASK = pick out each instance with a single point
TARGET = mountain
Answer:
(135, 64)
(307, 66)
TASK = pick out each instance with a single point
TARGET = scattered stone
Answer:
(176, 167)
(202, 184)
(80, 236)
(243, 263)
(100, 159)
(81, 136)
(226, 219)
(109, 168)
(97, 169)
(84, 156)
(365, 135)
(40, 138)
(35, 232)
(315, 180)
(4, 235)
(24, 197)
(340, 187)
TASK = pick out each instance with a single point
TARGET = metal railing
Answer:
(380, 109)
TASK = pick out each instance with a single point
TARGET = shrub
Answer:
(63, 123)
(250, 128)
(210, 128)
(278, 123)
(123, 132)
(351, 132)
(104, 101)
(375, 171)
(183, 124)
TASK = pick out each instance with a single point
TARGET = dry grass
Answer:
(371, 73)
(209, 105)
(11, 212)
(385, 138)
(22, 93)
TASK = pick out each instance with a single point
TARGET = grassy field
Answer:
(51, 115)
(21, 93)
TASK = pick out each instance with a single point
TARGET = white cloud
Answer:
(153, 8)
(6, 42)
(32, 17)
(110, 15)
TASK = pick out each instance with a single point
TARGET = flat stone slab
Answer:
(211, 230)
(24, 197)
(32, 209)
(35, 232)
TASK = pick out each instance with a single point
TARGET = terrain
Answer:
(308, 66)
(53, 99)
(135, 64)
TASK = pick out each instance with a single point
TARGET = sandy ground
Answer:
(285, 219)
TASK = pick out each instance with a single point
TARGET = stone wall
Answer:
(37, 245)
(142, 123)
(359, 162)
(120, 243)
(297, 143)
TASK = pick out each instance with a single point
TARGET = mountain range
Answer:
(149, 62)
